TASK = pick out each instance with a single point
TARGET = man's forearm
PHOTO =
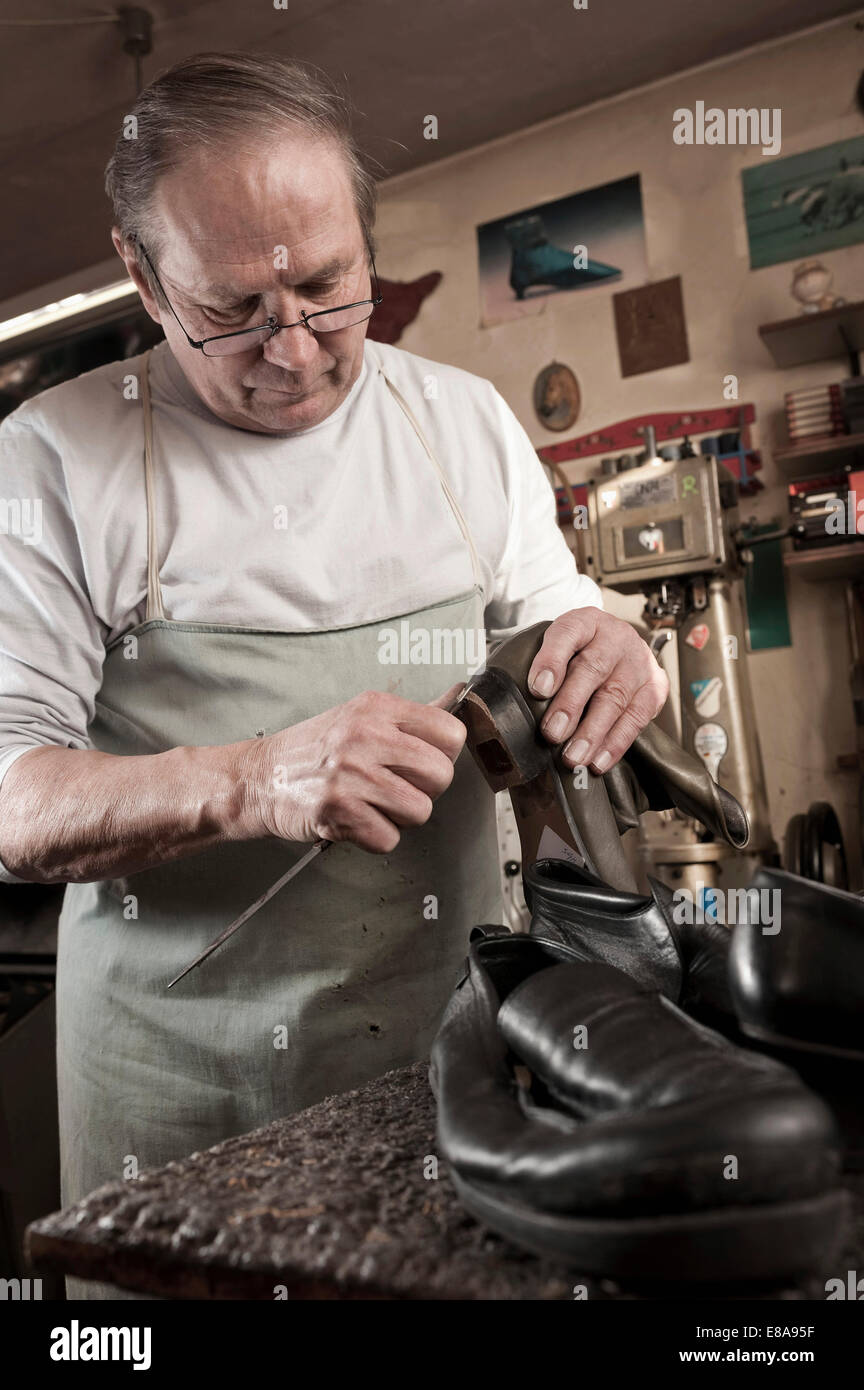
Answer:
(74, 816)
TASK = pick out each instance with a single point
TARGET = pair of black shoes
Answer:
(594, 1097)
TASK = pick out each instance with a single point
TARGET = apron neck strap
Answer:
(442, 478)
(155, 608)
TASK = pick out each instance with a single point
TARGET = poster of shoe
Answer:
(583, 242)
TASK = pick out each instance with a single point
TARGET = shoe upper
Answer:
(686, 960)
(655, 772)
(790, 971)
(601, 923)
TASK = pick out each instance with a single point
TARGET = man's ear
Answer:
(126, 252)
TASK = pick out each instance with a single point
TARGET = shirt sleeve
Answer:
(537, 576)
(51, 644)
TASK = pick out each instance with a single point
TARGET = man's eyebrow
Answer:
(225, 294)
(329, 269)
(229, 294)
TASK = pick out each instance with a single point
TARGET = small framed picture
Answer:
(557, 398)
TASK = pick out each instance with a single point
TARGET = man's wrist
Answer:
(252, 772)
(225, 790)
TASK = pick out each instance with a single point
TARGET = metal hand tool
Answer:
(318, 848)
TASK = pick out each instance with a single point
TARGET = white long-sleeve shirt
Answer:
(369, 534)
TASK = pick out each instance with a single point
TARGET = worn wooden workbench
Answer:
(338, 1201)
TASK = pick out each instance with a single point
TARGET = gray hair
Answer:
(210, 100)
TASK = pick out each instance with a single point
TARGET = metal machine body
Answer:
(717, 713)
(666, 519)
(667, 529)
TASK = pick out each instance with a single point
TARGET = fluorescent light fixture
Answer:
(66, 308)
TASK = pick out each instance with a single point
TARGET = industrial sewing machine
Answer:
(667, 528)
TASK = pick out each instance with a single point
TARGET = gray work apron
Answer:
(337, 979)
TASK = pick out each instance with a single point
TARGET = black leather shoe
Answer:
(656, 1151)
(798, 993)
(687, 962)
(800, 983)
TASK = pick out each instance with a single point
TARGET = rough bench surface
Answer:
(333, 1202)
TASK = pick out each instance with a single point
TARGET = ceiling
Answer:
(484, 67)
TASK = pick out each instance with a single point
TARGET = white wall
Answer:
(695, 228)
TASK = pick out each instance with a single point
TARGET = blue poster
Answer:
(583, 242)
(805, 203)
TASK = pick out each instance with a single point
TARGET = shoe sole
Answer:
(759, 1243)
(848, 1054)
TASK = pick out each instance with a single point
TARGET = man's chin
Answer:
(279, 411)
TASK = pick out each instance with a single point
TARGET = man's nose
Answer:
(291, 348)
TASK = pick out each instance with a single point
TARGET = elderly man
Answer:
(193, 686)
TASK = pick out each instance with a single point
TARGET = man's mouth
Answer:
(285, 391)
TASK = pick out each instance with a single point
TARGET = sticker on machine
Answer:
(711, 743)
(706, 696)
(651, 539)
(698, 636)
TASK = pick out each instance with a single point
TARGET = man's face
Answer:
(246, 234)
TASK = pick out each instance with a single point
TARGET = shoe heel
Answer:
(555, 818)
(502, 731)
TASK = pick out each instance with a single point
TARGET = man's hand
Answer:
(358, 772)
(608, 684)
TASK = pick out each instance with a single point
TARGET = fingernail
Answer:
(576, 750)
(554, 728)
(543, 684)
(602, 761)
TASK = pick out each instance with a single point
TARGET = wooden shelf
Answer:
(797, 460)
(827, 562)
(816, 337)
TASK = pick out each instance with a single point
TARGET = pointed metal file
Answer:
(318, 848)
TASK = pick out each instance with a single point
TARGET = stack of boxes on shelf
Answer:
(814, 412)
(824, 412)
(824, 507)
